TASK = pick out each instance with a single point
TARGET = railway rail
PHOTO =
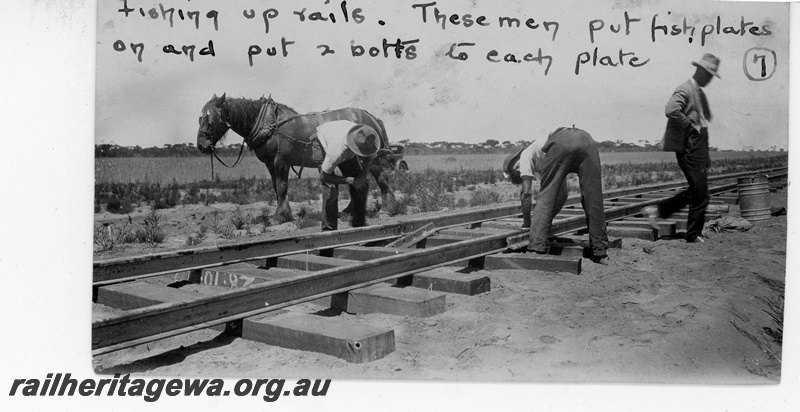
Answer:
(375, 254)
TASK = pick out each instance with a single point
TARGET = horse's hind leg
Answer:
(387, 196)
(382, 178)
(280, 178)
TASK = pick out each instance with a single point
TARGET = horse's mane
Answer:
(241, 110)
(284, 108)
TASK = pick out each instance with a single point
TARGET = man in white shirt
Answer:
(350, 147)
(522, 168)
(567, 150)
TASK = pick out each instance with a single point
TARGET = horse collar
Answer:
(262, 130)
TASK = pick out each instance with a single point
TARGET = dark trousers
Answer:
(695, 168)
(526, 197)
(359, 192)
(570, 151)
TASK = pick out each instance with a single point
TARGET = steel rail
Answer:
(168, 319)
(277, 306)
(127, 269)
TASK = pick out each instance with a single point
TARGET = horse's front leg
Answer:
(275, 218)
(283, 213)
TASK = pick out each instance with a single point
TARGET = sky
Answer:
(434, 97)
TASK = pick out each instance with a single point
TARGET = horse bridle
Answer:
(213, 153)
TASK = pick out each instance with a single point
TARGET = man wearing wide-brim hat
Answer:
(688, 115)
(567, 150)
(349, 147)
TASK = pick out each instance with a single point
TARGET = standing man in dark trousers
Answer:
(569, 150)
(688, 115)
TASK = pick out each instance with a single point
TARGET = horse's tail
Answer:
(383, 133)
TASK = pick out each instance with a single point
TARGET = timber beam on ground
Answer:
(126, 269)
(159, 321)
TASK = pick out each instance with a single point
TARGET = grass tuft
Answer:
(152, 233)
(307, 217)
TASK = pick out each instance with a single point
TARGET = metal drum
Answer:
(754, 198)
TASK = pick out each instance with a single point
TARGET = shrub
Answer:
(125, 197)
(126, 234)
(108, 236)
(197, 237)
(215, 221)
(152, 234)
(399, 205)
(432, 202)
(192, 194)
(430, 191)
(301, 190)
(119, 204)
(166, 197)
(104, 239)
(491, 177)
(374, 210)
(193, 240)
(775, 311)
(484, 197)
(227, 232)
(239, 220)
(308, 218)
(263, 217)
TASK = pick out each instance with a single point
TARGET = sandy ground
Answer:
(661, 312)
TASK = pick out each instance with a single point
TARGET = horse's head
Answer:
(213, 124)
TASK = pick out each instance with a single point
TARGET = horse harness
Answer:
(263, 130)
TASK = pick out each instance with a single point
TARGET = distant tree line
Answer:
(168, 150)
(490, 146)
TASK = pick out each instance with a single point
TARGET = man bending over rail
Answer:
(567, 150)
(350, 147)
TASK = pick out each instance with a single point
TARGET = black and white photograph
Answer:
(497, 200)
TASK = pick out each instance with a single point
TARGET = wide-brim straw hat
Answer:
(709, 63)
(363, 140)
(509, 167)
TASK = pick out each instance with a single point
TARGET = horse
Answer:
(281, 139)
